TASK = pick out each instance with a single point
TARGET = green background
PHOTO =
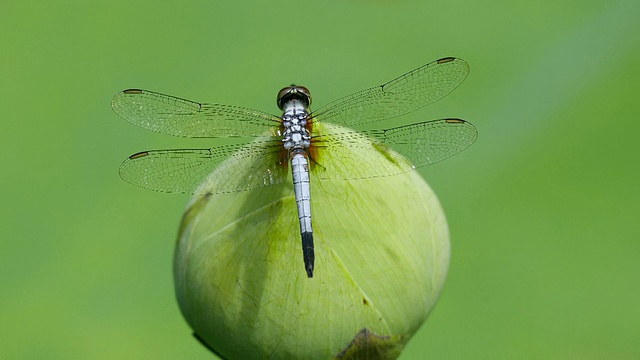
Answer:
(543, 208)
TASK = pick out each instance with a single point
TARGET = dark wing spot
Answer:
(139, 155)
(133, 91)
(445, 60)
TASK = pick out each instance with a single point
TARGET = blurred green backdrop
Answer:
(543, 209)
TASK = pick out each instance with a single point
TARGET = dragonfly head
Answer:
(294, 92)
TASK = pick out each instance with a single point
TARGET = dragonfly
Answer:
(288, 140)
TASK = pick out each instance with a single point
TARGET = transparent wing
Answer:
(179, 117)
(245, 167)
(357, 155)
(399, 96)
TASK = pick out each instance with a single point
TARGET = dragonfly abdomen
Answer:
(302, 190)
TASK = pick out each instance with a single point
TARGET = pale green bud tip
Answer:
(381, 256)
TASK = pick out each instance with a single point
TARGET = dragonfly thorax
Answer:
(294, 121)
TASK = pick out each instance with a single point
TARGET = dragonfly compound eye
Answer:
(293, 92)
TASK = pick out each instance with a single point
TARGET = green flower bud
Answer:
(381, 256)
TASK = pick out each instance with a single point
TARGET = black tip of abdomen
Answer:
(308, 253)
